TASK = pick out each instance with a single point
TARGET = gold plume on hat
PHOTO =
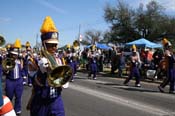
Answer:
(164, 41)
(8, 46)
(134, 47)
(27, 44)
(68, 46)
(17, 44)
(48, 25)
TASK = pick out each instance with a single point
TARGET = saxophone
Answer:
(59, 75)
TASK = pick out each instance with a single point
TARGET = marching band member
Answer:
(134, 69)
(92, 62)
(170, 67)
(6, 106)
(76, 55)
(14, 80)
(46, 100)
(69, 60)
(29, 61)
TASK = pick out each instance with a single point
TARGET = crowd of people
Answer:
(28, 67)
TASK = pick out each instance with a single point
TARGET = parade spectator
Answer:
(122, 63)
(157, 57)
(114, 60)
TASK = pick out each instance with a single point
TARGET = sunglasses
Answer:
(49, 45)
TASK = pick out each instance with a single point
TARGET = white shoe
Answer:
(155, 77)
(138, 85)
(24, 83)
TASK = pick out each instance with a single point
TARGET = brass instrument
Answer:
(2, 40)
(8, 64)
(59, 75)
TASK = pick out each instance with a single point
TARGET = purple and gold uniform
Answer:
(170, 67)
(14, 80)
(46, 100)
(134, 67)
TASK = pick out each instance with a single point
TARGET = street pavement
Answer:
(107, 96)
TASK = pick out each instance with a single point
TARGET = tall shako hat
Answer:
(27, 44)
(15, 47)
(49, 33)
(166, 43)
(134, 48)
(28, 47)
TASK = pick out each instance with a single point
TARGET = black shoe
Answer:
(72, 80)
(160, 89)
(125, 83)
(172, 92)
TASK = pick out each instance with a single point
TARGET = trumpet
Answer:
(59, 75)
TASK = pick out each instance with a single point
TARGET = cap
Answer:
(49, 32)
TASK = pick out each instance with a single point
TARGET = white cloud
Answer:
(168, 4)
(51, 6)
(4, 20)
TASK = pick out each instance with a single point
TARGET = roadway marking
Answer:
(164, 95)
(123, 101)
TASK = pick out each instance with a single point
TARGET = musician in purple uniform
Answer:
(92, 59)
(69, 60)
(14, 80)
(170, 67)
(28, 58)
(46, 100)
(134, 67)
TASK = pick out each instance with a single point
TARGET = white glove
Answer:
(66, 85)
(43, 64)
(24, 77)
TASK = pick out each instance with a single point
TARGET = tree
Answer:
(120, 18)
(128, 24)
(92, 37)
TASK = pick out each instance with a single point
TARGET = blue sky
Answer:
(22, 19)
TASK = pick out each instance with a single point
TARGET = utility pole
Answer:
(79, 32)
(37, 47)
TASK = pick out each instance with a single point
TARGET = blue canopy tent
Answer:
(100, 46)
(145, 43)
